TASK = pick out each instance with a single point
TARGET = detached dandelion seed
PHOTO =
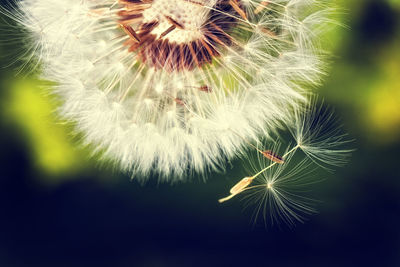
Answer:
(278, 189)
(278, 193)
(175, 86)
(318, 134)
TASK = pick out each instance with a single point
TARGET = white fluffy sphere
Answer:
(175, 86)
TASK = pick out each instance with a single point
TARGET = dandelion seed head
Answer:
(174, 86)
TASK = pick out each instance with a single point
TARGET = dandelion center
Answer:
(177, 34)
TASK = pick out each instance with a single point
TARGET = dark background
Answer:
(59, 208)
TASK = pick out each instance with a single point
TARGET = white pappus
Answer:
(175, 86)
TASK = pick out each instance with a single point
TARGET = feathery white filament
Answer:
(279, 181)
(188, 115)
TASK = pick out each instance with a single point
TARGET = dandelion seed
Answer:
(173, 86)
(278, 192)
(243, 184)
(277, 188)
(131, 32)
(205, 88)
(273, 157)
(238, 188)
(236, 6)
(319, 136)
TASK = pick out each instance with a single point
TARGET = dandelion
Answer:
(280, 183)
(175, 86)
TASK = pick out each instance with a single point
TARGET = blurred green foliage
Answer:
(364, 79)
(28, 106)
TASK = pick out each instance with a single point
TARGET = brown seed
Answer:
(170, 29)
(174, 22)
(205, 88)
(273, 157)
(209, 49)
(158, 51)
(193, 52)
(238, 9)
(215, 38)
(131, 32)
(148, 27)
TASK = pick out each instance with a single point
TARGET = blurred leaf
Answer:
(32, 111)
